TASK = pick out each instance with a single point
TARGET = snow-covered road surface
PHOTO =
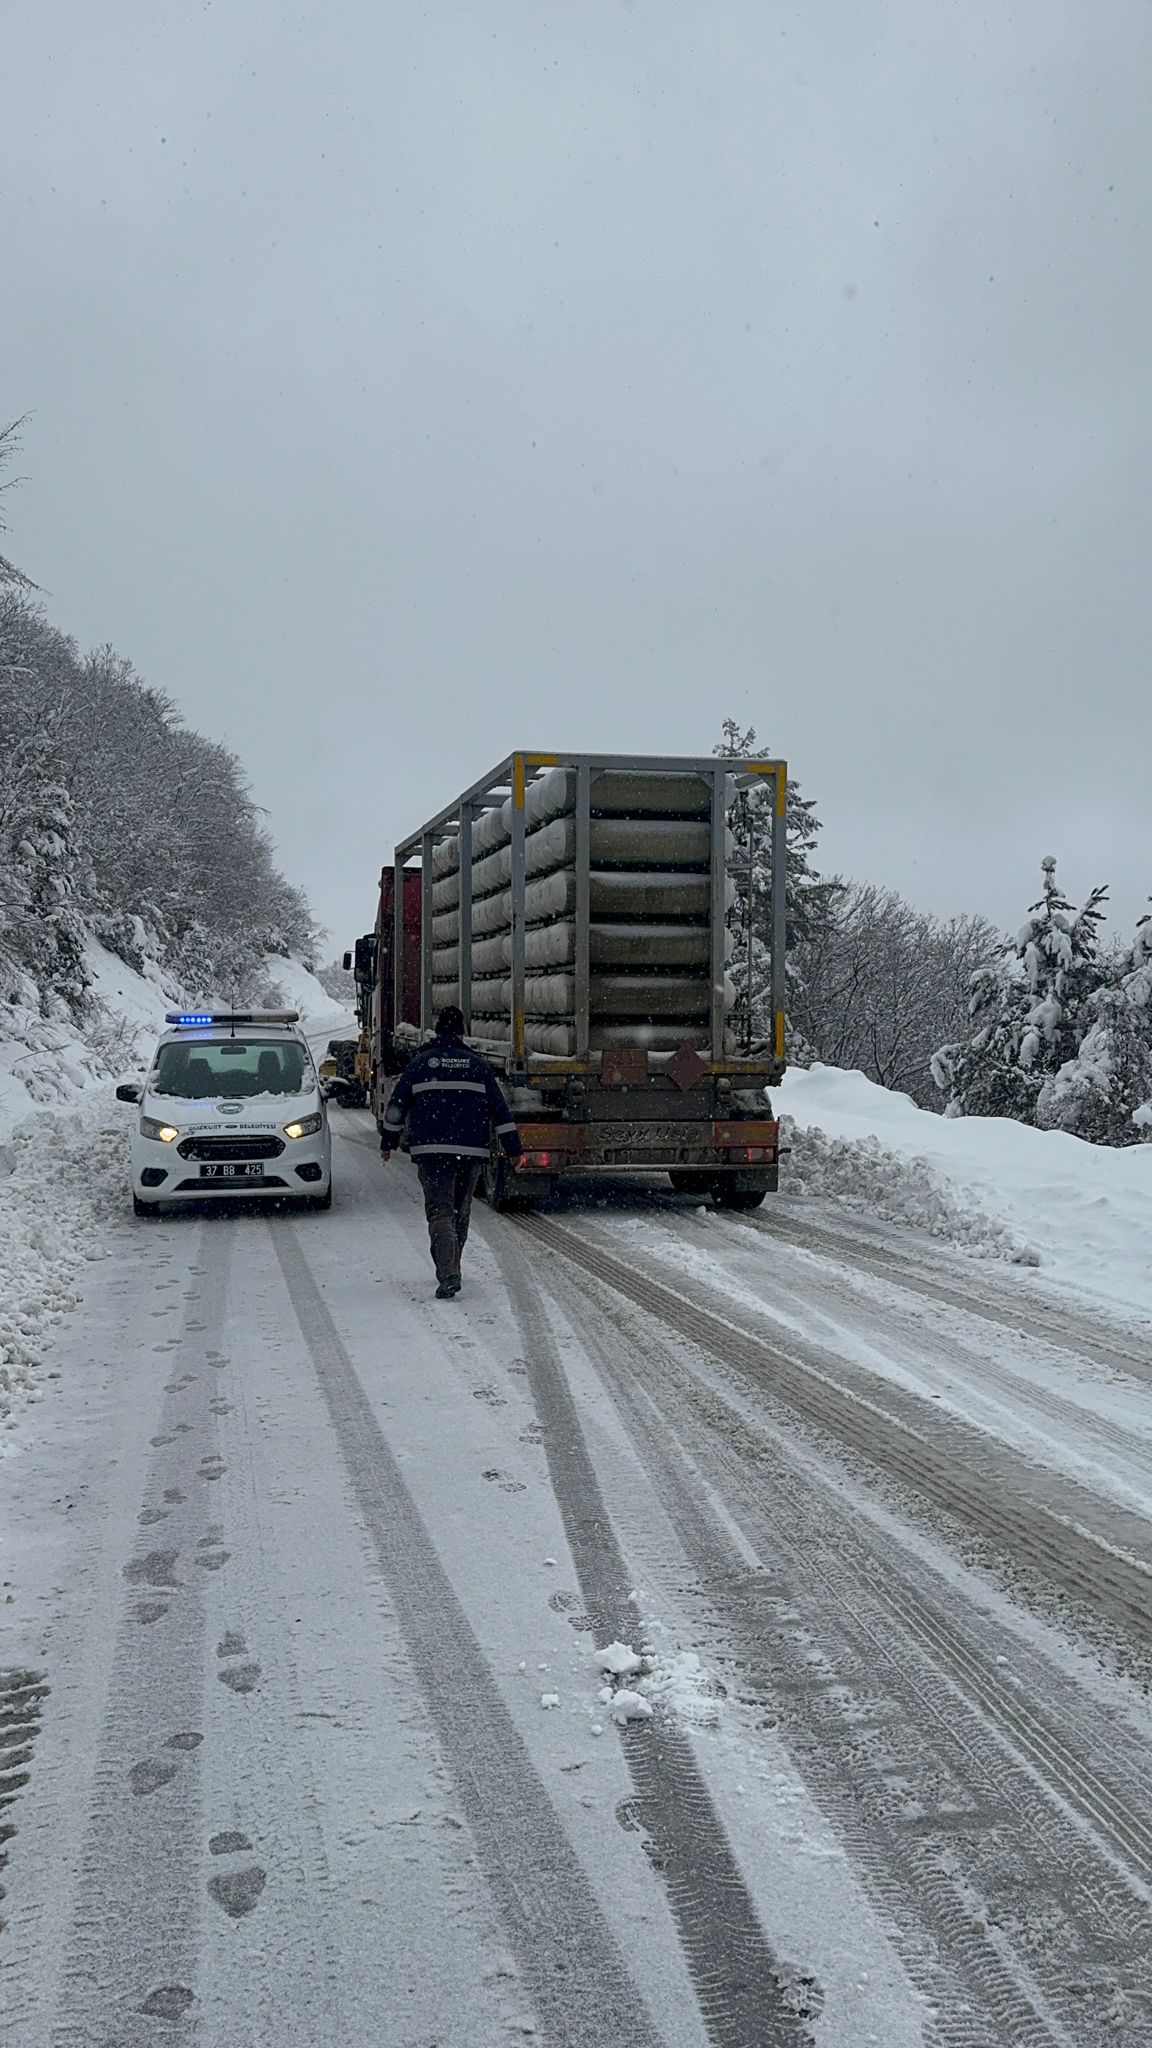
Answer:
(306, 1738)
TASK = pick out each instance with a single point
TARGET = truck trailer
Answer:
(386, 998)
(582, 911)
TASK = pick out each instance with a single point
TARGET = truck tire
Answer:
(737, 1198)
(502, 1192)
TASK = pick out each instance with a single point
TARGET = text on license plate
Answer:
(233, 1169)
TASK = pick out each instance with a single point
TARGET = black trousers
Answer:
(449, 1183)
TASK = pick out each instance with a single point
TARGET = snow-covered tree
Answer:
(43, 874)
(116, 819)
(981, 1074)
(1104, 1091)
(809, 896)
(884, 983)
(9, 444)
(1028, 1010)
(1059, 947)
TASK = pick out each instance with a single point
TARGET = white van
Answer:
(231, 1106)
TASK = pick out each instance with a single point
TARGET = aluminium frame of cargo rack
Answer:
(511, 779)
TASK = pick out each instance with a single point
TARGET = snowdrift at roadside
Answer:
(61, 1177)
(1083, 1212)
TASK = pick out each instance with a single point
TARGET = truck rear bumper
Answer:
(747, 1151)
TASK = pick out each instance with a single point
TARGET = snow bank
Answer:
(49, 1062)
(1084, 1212)
(301, 991)
(61, 1177)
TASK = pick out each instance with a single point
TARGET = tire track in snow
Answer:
(742, 1987)
(813, 1384)
(569, 1959)
(1114, 1516)
(863, 1705)
(853, 1281)
(1066, 1329)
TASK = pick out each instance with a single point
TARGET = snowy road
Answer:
(295, 1554)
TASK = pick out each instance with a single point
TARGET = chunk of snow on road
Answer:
(683, 1686)
(630, 1706)
(620, 1659)
(549, 1699)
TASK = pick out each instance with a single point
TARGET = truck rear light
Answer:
(538, 1162)
(750, 1155)
(737, 1134)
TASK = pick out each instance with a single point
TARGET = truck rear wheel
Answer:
(737, 1198)
(502, 1192)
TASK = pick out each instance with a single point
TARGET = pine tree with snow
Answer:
(1104, 1092)
(1059, 947)
(44, 919)
(809, 897)
(981, 1075)
(1029, 1009)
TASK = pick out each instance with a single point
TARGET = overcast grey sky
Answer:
(413, 382)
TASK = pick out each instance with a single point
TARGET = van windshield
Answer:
(232, 1066)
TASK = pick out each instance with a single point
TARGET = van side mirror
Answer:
(128, 1091)
(347, 963)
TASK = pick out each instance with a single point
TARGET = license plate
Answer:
(228, 1169)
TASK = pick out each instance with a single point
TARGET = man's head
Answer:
(450, 1022)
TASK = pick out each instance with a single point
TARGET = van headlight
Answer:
(149, 1128)
(305, 1126)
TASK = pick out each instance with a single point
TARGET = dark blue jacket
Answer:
(452, 1102)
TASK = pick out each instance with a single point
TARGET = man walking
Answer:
(452, 1102)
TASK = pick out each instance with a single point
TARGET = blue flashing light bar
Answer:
(200, 1018)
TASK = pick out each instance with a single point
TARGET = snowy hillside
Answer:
(45, 1063)
(1083, 1212)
